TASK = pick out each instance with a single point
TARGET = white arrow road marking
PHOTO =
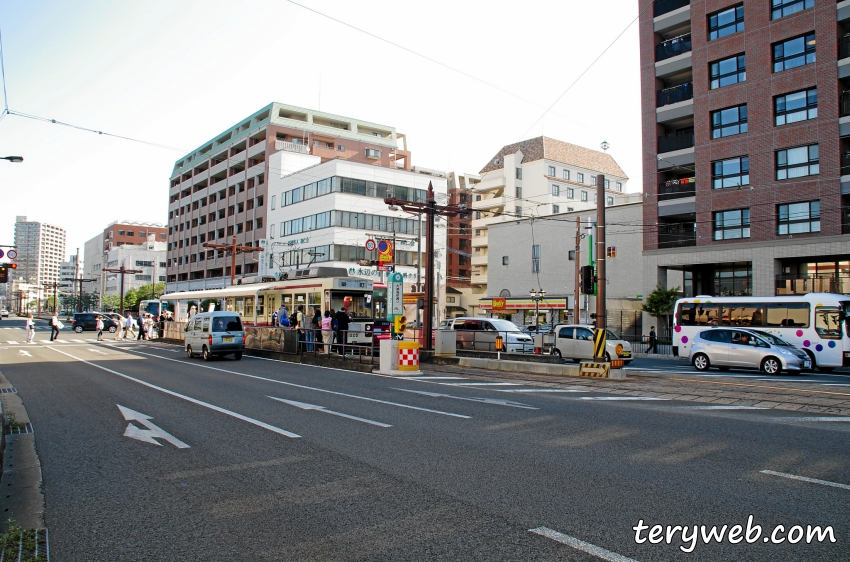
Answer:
(24, 353)
(97, 351)
(494, 401)
(305, 406)
(213, 407)
(149, 435)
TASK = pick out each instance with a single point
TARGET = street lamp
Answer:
(15, 159)
(537, 296)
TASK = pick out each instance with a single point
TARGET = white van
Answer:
(215, 333)
(575, 341)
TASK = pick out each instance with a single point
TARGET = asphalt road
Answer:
(401, 469)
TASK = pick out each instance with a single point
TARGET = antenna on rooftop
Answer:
(604, 146)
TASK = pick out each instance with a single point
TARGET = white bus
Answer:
(815, 322)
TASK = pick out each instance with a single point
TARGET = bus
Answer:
(816, 323)
(153, 306)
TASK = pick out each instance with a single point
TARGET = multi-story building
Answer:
(220, 189)
(539, 177)
(147, 257)
(739, 102)
(69, 271)
(116, 234)
(463, 295)
(40, 248)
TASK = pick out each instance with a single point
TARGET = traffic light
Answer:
(587, 279)
(420, 304)
(612, 251)
(400, 324)
(4, 274)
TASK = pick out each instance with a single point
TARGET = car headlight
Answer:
(784, 351)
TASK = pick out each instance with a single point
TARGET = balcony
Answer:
(479, 260)
(676, 141)
(490, 184)
(801, 284)
(291, 147)
(677, 235)
(844, 104)
(491, 203)
(662, 7)
(675, 94)
(677, 189)
(673, 47)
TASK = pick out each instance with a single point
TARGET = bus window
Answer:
(744, 315)
(788, 315)
(827, 323)
(698, 314)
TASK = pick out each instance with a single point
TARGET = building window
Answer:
(733, 172)
(584, 196)
(373, 153)
(340, 147)
(732, 280)
(607, 184)
(504, 260)
(556, 209)
(120, 233)
(728, 71)
(799, 218)
(794, 52)
(579, 177)
(271, 230)
(552, 171)
(519, 173)
(730, 225)
(782, 8)
(478, 232)
(609, 201)
(797, 162)
(726, 22)
(518, 192)
(556, 190)
(451, 299)
(566, 174)
(273, 201)
(477, 214)
(592, 180)
(569, 193)
(796, 106)
(729, 121)
(619, 186)
(519, 211)
(535, 259)
(596, 198)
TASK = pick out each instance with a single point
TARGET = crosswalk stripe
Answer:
(12, 342)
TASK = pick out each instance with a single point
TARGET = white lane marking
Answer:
(97, 351)
(433, 378)
(806, 479)
(493, 401)
(24, 353)
(318, 366)
(305, 406)
(578, 544)
(540, 390)
(819, 419)
(308, 387)
(722, 407)
(620, 398)
(238, 416)
(79, 341)
(480, 384)
(834, 384)
(149, 435)
(11, 342)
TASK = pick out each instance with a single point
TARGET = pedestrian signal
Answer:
(587, 279)
(400, 324)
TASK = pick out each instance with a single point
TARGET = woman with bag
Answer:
(327, 334)
(30, 326)
(55, 326)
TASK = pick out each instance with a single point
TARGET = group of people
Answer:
(316, 331)
(149, 327)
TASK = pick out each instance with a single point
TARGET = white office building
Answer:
(149, 258)
(40, 248)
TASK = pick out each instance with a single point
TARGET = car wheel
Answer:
(237, 355)
(189, 352)
(112, 329)
(556, 352)
(701, 362)
(771, 366)
(607, 357)
(205, 353)
(78, 329)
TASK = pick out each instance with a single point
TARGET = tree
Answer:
(131, 300)
(205, 304)
(659, 303)
(110, 302)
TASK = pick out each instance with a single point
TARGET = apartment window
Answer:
(273, 201)
(340, 147)
(733, 172)
(569, 193)
(519, 173)
(130, 233)
(271, 230)
(596, 198)
(579, 177)
(728, 71)
(729, 121)
(799, 218)
(373, 153)
(794, 52)
(477, 214)
(478, 198)
(731, 225)
(504, 260)
(518, 192)
(619, 186)
(556, 209)
(797, 162)
(535, 259)
(566, 174)
(519, 211)
(726, 22)
(592, 180)
(584, 196)
(120, 233)
(478, 232)
(796, 106)
(609, 201)
(556, 190)
(552, 171)
(782, 8)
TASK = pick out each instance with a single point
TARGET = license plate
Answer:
(227, 340)
(627, 354)
(807, 364)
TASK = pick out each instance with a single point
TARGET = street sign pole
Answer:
(395, 296)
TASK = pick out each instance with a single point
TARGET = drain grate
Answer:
(8, 390)
(17, 429)
(30, 544)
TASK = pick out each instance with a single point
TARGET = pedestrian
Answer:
(342, 320)
(283, 317)
(333, 327)
(128, 326)
(298, 325)
(653, 338)
(317, 322)
(141, 323)
(98, 325)
(327, 333)
(274, 318)
(309, 328)
(30, 326)
(55, 326)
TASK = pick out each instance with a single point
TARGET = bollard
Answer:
(408, 356)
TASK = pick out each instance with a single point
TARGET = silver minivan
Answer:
(215, 333)
(479, 334)
(726, 348)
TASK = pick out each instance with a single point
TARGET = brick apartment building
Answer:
(220, 189)
(459, 230)
(746, 126)
(116, 234)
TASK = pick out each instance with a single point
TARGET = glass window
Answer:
(592, 180)
(729, 121)
(569, 193)
(556, 209)
(788, 315)
(827, 322)
(619, 186)
(519, 173)
(609, 201)
(584, 196)
(797, 162)
(799, 218)
(566, 174)
(782, 8)
(733, 172)
(584, 334)
(552, 171)
(556, 190)
(580, 177)
(607, 184)
(519, 212)
(794, 52)
(566, 333)
(535, 259)
(730, 225)
(504, 260)
(796, 106)
(733, 280)
(518, 192)
(728, 71)
(726, 22)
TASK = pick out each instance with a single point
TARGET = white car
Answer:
(4, 313)
(575, 341)
(480, 334)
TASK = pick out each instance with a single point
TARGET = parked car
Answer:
(215, 333)
(744, 348)
(4, 313)
(575, 341)
(479, 334)
(88, 321)
(539, 329)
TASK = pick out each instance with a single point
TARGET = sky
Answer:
(177, 73)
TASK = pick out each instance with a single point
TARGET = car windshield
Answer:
(775, 340)
(611, 335)
(504, 325)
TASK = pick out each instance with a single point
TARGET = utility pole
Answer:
(601, 311)
(234, 249)
(576, 307)
(120, 270)
(418, 264)
(55, 285)
(430, 208)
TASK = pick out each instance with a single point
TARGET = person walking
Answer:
(274, 318)
(298, 325)
(30, 327)
(309, 328)
(141, 323)
(327, 333)
(653, 339)
(342, 321)
(317, 323)
(98, 325)
(55, 326)
(128, 326)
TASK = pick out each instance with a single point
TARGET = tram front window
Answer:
(357, 305)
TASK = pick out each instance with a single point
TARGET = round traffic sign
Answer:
(383, 246)
(12, 254)
(1, 253)
(370, 245)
